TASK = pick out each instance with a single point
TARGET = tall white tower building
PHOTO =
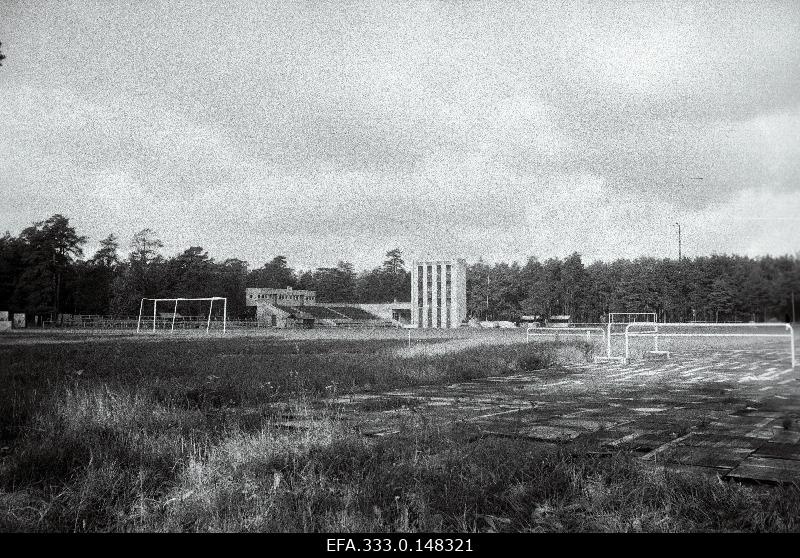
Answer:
(438, 293)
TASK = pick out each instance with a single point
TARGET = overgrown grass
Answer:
(430, 479)
(218, 374)
(176, 436)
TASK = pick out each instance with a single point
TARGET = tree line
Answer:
(43, 271)
(708, 288)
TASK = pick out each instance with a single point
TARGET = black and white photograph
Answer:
(400, 275)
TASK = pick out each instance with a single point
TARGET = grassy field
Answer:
(114, 434)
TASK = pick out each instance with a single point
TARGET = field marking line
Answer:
(500, 413)
(774, 375)
(628, 438)
(618, 375)
(625, 378)
(698, 369)
(665, 446)
(556, 383)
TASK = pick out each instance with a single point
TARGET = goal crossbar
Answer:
(652, 315)
(175, 311)
(656, 334)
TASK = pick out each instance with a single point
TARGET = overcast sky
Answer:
(335, 130)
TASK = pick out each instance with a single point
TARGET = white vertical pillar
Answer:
(208, 323)
(139, 323)
(438, 294)
(174, 313)
(454, 321)
(447, 309)
(441, 320)
(155, 303)
(414, 294)
(224, 315)
(455, 293)
(434, 294)
(424, 294)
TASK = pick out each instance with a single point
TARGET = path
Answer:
(729, 413)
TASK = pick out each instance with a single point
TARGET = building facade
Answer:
(279, 307)
(287, 296)
(438, 293)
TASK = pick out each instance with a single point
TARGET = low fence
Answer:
(101, 323)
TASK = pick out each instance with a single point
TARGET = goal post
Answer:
(701, 330)
(212, 299)
(624, 319)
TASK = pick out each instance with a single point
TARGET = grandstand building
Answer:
(286, 308)
(438, 293)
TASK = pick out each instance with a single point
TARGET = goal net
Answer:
(183, 313)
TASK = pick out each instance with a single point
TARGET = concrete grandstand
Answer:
(287, 308)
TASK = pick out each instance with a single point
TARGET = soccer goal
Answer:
(166, 318)
(691, 332)
(618, 321)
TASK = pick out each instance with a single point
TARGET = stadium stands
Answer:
(321, 312)
(354, 313)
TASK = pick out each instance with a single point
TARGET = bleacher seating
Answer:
(354, 313)
(337, 315)
(322, 313)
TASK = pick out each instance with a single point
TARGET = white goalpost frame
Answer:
(175, 311)
(611, 322)
(656, 334)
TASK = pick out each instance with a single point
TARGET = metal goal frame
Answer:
(611, 322)
(175, 311)
(656, 334)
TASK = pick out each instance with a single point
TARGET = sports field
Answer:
(352, 430)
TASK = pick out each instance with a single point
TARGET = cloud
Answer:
(328, 132)
(756, 221)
